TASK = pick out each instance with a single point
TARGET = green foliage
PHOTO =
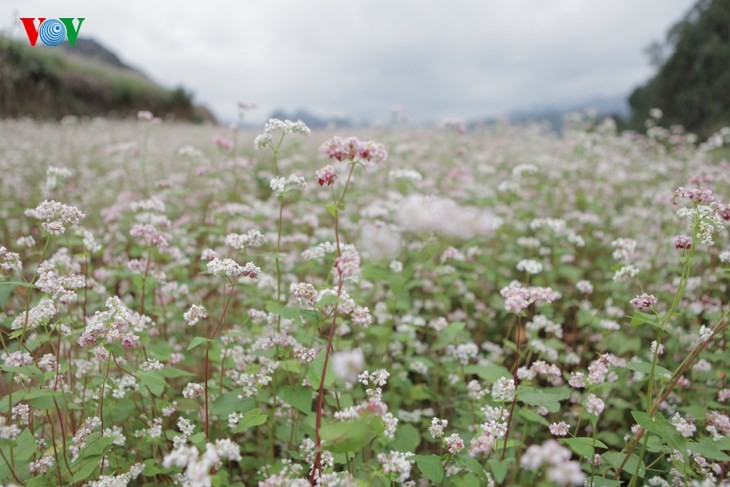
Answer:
(692, 82)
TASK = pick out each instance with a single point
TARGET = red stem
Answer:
(320, 395)
(207, 360)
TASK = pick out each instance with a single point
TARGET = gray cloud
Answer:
(462, 58)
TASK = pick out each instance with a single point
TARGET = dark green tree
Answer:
(692, 85)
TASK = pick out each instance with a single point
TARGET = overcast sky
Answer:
(359, 58)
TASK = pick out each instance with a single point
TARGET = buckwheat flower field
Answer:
(195, 306)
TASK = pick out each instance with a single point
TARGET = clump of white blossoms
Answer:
(197, 466)
(252, 238)
(348, 364)
(594, 405)
(281, 185)
(53, 174)
(304, 293)
(279, 127)
(437, 427)
(684, 427)
(194, 314)
(503, 389)
(232, 269)
(529, 266)
(10, 261)
(57, 217)
(559, 429)
(518, 297)
(397, 463)
(560, 470)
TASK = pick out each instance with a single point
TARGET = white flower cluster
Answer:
(684, 427)
(281, 185)
(529, 266)
(304, 293)
(252, 238)
(561, 470)
(196, 313)
(284, 127)
(197, 466)
(38, 314)
(232, 269)
(348, 364)
(10, 261)
(53, 174)
(56, 216)
(503, 389)
(397, 463)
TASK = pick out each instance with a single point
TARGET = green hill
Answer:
(50, 83)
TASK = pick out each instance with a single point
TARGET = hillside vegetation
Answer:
(51, 83)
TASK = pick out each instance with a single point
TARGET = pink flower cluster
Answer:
(348, 264)
(326, 175)
(352, 148)
(695, 195)
(223, 143)
(683, 242)
(644, 301)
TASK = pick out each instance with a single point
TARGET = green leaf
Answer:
(604, 482)
(349, 436)
(448, 335)
(431, 467)
(42, 399)
(332, 209)
(499, 468)
(532, 416)
(583, 446)
(645, 367)
(252, 418)
(298, 397)
(314, 374)
(549, 398)
(152, 468)
(723, 443)
(16, 284)
(327, 299)
(229, 402)
(122, 410)
(198, 439)
(659, 426)
(287, 312)
(153, 381)
(639, 319)
(472, 464)
(174, 373)
(96, 445)
(614, 459)
(407, 438)
(25, 445)
(198, 341)
(489, 373)
(115, 348)
(708, 449)
(86, 467)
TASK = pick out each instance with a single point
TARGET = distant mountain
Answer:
(615, 106)
(90, 49)
(316, 122)
(84, 80)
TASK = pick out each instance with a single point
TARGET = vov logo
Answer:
(51, 31)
